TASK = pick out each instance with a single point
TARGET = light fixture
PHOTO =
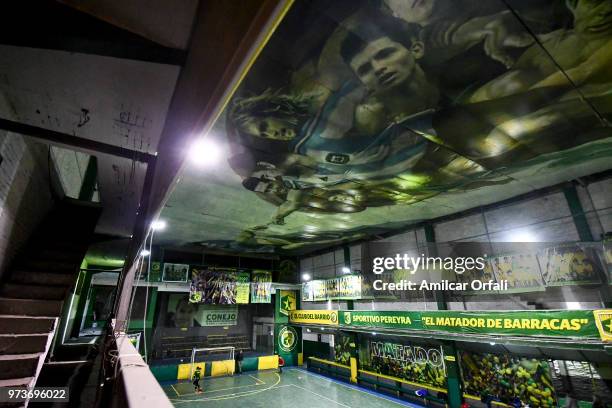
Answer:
(572, 305)
(346, 269)
(306, 277)
(204, 152)
(492, 343)
(158, 225)
(373, 333)
(145, 252)
(522, 236)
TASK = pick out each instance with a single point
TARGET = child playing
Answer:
(196, 380)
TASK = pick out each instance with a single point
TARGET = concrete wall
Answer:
(544, 219)
(25, 192)
(70, 166)
(596, 199)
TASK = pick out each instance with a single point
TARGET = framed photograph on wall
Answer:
(175, 272)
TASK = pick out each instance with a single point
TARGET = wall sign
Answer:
(582, 324)
(327, 317)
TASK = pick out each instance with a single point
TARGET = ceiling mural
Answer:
(364, 116)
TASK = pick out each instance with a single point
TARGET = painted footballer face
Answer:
(384, 64)
(270, 128)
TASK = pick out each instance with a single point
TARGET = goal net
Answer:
(223, 356)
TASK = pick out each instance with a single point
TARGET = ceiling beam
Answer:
(73, 142)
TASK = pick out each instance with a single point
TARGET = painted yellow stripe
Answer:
(223, 367)
(300, 359)
(184, 370)
(329, 362)
(353, 370)
(474, 397)
(388, 377)
(253, 57)
(267, 362)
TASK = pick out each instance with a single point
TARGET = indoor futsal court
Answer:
(294, 387)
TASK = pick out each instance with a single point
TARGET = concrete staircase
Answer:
(34, 290)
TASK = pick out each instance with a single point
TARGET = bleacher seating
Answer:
(180, 347)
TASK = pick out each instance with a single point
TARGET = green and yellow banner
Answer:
(326, 317)
(583, 324)
(341, 288)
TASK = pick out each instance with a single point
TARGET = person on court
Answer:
(196, 380)
(281, 363)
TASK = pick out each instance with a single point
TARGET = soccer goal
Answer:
(223, 356)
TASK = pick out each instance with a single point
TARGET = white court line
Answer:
(321, 396)
(257, 379)
(220, 389)
(355, 388)
(231, 396)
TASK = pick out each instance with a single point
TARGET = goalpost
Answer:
(210, 354)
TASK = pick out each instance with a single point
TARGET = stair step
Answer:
(25, 291)
(17, 382)
(30, 307)
(18, 365)
(23, 343)
(43, 278)
(13, 405)
(10, 324)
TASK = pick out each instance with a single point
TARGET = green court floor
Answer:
(292, 389)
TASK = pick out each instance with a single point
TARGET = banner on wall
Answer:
(583, 324)
(399, 358)
(569, 265)
(261, 286)
(603, 320)
(521, 271)
(288, 342)
(570, 323)
(243, 287)
(212, 315)
(288, 302)
(483, 275)
(508, 378)
(219, 286)
(345, 287)
(181, 313)
(326, 317)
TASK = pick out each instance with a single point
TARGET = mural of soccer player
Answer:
(353, 142)
(259, 236)
(584, 52)
(452, 27)
(496, 133)
(384, 54)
